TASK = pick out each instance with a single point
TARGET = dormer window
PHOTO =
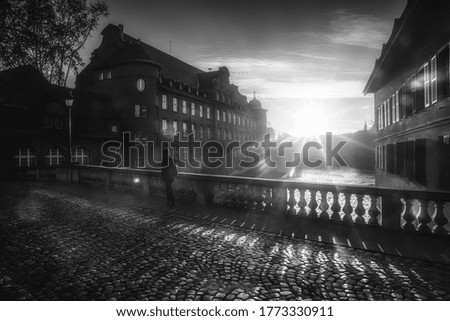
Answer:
(100, 76)
(140, 85)
(108, 74)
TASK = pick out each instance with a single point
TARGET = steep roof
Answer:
(171, 67)
(420, 32)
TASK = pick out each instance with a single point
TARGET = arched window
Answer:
(25, 157)
(54, 156)
(80, 156)
(140, 85)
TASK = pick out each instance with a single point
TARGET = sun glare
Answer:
(309, 120)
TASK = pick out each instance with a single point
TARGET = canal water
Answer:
(342, 175)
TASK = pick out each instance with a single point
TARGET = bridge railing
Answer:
(422, 212)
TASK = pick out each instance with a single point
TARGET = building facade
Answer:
(34, 122)
(411, 87)
(153, 95)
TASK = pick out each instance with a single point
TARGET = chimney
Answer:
(121, 32)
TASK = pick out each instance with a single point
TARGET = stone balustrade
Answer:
(358, 206)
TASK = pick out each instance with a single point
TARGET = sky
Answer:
(307, 60)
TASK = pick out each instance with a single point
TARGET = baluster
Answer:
(237, 195)
(245, 197)
(335, 207)
(347, 209)
(302, 203)
(251, 197)
(409, 216)
(424, 217)
(360, 210)
(313, 205)
(268, 199)
(258, 198)
(440, 219)
(324, 206)
(374, 211)
(224, 194)
(228, 194)
(291, 201)
(216, 193)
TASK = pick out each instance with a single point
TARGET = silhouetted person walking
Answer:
(168, 173)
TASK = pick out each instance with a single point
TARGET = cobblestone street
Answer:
(66, 242)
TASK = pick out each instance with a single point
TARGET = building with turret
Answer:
(130, 86)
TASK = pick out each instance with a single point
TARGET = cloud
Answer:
(359, 29)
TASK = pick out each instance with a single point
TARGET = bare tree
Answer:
(47, 34)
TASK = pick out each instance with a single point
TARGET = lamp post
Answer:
(69, 103)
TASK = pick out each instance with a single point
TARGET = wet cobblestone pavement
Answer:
(59, 242)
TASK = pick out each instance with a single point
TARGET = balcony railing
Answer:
(357, 206)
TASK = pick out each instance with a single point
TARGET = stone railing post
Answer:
(279, 200)
(391, 211)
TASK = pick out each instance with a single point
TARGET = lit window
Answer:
(140, 111)
(114, 128)
(200, 111)
(184, 107)
(397, 106)
(427, 84)
(193, 129)
(164, 126)
(208, 112)
(140, 85)
(394, 111)
(234, 119)
(185, 128)
(218, 115)
(80, 156)
(175, 127)
(108, 74)
(164, 102)
(202, 129)
(229, 118)
(224, 116)
(192, 109)
(433, 80)
(55, 156)
(25, 157)
(175, 104)
(100, 76)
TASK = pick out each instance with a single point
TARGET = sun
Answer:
(309, 120)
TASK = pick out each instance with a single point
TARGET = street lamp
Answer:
(69, 103)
